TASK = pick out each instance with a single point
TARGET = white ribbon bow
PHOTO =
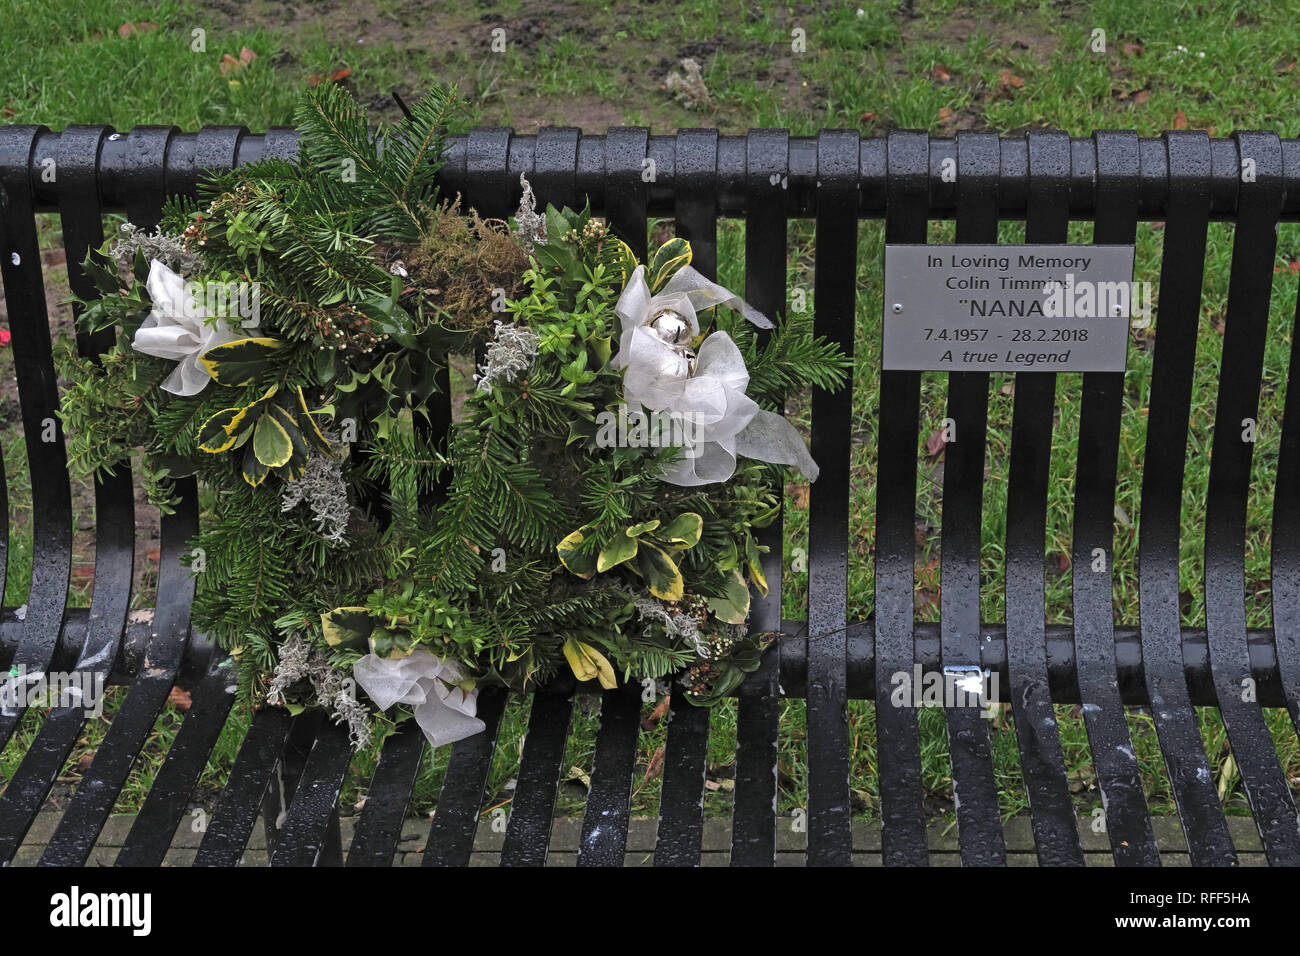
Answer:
(443, 711)
(176, 329)
(721, 421)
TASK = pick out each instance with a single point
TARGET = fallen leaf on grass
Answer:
(230, 64)
(338, 76)
(650, 721)
(1008, 83)
(142, 27)
(1180, 120)
(181, 698)
(940, 73)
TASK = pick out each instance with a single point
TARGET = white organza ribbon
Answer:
(720, 421)
(176, 329)
(444, 712)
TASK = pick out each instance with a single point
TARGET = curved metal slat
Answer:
(681, 800)
(80, 216)
(979, 825)
(379, 828)
(830, 838)
(1241, 366)
(93, 801)
(307, 826)
(903, 839)
(451, 838)
(1128, 822)
(151, 834)
(1056, 832)
(604, 825)
(528, 833)
(236, 812)
(24, 290)
(753, 821)
(1169, 409)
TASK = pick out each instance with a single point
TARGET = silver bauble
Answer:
(671, 327)
(677, 363)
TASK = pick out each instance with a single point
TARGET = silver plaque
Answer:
(1010, 308)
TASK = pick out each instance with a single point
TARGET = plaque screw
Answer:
(898, 307)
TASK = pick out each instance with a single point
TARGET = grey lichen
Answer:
(168, 249)
(324, 489)
(334, 689)
(530, 225)
(511, 353)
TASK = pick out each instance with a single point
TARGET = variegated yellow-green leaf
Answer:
(622, 548)
(292, 469)
(684, 530)
(347, 627)
(665, 261)
(589, 664)
(239, 362)
(661, 574)
(271, 442)
(307, 422)
(642, 528)
(753, 561)
(732, 608)
(253, 470)
(222, 431)
(572, 556)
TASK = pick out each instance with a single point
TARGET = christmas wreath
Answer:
(592, 507)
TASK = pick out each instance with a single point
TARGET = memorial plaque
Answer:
(1010, 308)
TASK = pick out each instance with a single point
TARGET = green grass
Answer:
(595, 64)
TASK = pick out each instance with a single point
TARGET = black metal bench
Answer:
(1043, 177)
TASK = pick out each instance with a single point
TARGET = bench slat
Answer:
(312, 813)
(97, 793)
(975, 792)
(604, 824)
(24, 288)
(451, 837)
(1056, 832)
(903, 837)
(1169, 407)
(1253, 249)
(236, 811)
(681, 801)
(830, 840)
(528, 833)
(1127, 820)
(379, 828)
(151, 834)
